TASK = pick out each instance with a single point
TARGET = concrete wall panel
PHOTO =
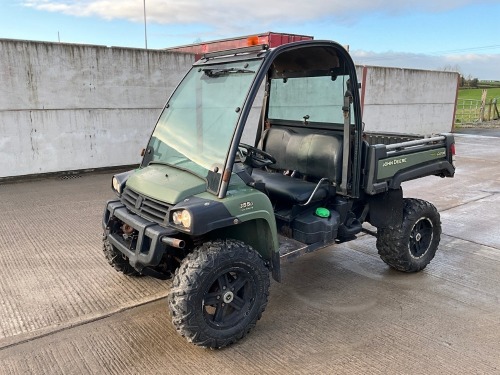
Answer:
(53, 141)
(408, 101)
(66, 107)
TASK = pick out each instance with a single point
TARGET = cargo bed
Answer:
(394, 158)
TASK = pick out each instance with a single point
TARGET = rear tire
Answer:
(116, 259)
(410, 247)
(218, 293)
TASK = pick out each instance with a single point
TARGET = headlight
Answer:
(116, 185)
(119, 180)
(182, 217)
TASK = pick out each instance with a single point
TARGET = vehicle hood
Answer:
(165, 183)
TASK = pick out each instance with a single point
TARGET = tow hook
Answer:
(127, 229)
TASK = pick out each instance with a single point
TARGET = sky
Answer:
(457, 35)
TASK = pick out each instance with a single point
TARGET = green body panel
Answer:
(251, 208)
(249, 205)
(166, 184)
(388, 167)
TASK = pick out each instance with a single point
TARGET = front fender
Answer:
(253, 223)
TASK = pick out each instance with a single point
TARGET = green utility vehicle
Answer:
(259, 156)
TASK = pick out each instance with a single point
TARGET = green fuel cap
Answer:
(323, 212)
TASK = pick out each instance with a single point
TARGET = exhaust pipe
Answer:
(173, 242)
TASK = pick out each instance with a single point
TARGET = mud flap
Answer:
(276, 266)
(386, 209)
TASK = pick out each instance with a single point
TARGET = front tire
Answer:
(218, 293)
(410, 247)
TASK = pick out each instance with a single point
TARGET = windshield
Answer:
(195, 130)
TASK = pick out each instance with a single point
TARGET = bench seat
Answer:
(294, 190)
(314, 155)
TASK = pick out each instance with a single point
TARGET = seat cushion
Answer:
(315, 155)
(289, 188)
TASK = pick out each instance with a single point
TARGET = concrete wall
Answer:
(408, 100)
(67, 107)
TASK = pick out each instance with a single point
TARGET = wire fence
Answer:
(471, 111)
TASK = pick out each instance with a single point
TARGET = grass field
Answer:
(476, 93)
(469, 111)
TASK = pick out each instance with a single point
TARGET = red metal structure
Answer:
(270, 38)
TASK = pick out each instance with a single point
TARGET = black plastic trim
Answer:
(276, 266)
(386, 210)
(148, 232)
(435, 168)
(207, 215)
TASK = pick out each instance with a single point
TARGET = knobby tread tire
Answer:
(117, 260)
(196, 275)
(393, 244)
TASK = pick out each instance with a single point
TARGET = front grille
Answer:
(148, 208)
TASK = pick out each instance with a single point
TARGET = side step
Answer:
(350, 231)
(291, 249)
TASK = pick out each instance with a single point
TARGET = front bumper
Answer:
(147, 249)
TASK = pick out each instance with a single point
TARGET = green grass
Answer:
(469, 111)
(476, 93)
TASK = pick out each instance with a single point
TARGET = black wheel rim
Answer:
(421, 237)
(229, 299)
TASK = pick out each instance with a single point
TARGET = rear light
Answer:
(452, 149)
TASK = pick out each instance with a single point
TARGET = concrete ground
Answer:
(340, 310)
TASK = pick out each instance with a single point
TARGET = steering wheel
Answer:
(256, 158)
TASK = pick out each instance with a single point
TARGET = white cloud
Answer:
(228, 17)
(223, 14)
(482, 66)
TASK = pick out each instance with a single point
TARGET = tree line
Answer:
(468, 81)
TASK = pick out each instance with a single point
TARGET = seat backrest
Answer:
(313, 154)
